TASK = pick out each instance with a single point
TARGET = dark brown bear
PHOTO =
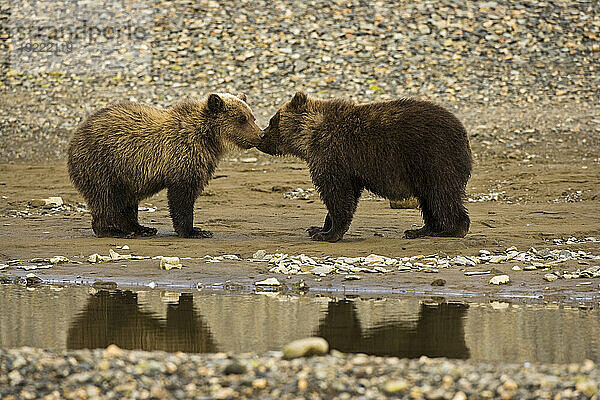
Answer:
(395, 149)
(129, 151)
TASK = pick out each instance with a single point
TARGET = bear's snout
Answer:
(266, 145)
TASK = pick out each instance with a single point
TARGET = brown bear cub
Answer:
(129, 151)
(395, 149)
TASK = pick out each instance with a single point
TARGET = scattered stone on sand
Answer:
(531, 259)
(58, 260)
(114, 256)
(50, 202)
(259, 255)
(574, 240)
(268, 282)
(299, 194)
(169, 263)
(312, 346)
(32, 280)
(500, 280)
(550, 277)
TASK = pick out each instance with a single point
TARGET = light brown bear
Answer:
(129, 151)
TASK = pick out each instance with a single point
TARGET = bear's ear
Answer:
(215, 103)
(298, 100)
(242, 97)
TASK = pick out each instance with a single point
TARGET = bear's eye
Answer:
(243, 119)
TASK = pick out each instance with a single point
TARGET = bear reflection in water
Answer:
(116, 318)
(438, 332)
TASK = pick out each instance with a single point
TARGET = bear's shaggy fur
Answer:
(128, 151)
(395, 149)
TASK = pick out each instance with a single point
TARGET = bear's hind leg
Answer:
(444, 215)
(128, 221)
(103, 218)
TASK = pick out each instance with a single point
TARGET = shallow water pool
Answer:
(82, 317)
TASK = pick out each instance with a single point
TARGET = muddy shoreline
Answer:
(248, 207)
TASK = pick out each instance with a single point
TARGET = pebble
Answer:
(234, 367)
(500, 280)
(169, 263)
(532, 259)
(306, 347)
(115, 373)
(268, 282)
(397, 385)
(259, 255)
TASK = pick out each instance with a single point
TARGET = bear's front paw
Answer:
(145, 231)
(326, 237)
(416, 233)
(197, 233)
(313, 230)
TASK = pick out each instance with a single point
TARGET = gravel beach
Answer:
(470, 56)
(116, 374)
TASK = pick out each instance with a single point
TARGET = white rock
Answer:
(306, 347)
(259, 255)
(54, 201)
(321, 270)
(550, 277)
(471, 273)
(516, 268)
(307, 260)
(168, 263)
(459, 260)
(279, 269)
(268, 282)
(374, 259)
(497, 259)
(58, 259)
(500, 280)
(114, 255)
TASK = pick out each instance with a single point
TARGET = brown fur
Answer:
(129, 151)
(395, 149)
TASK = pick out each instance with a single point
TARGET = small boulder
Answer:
(311, 346)
(500, 280)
